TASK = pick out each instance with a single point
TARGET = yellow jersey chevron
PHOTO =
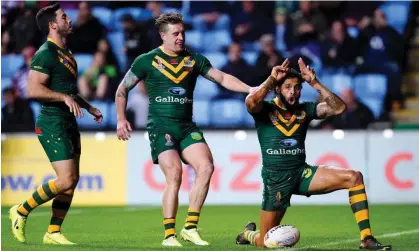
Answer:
(170, 81)
(282, 134)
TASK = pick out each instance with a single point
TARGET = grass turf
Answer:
(141, 228)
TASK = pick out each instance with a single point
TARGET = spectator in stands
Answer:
(135, 38)
(104, 47)
(153, 35)
(24, 31)
(206, 16)
(248, 24)
(283, 33)
(267, 59)
(356, 116)
(96, 81)
(20, 79)
(6, 46)
(381, 49)
(237, 67)
(339, 50)
(17, 114)
(87, 31)
(308, 23)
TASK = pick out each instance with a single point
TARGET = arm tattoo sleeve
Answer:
(121, 94)
(130, 80)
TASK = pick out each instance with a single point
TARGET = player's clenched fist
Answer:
(122, 130)
(278, 72)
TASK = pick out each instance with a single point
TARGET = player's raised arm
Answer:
(227, 81)
(333, 104)
(127, 83)
(254, 101)
(37, 90)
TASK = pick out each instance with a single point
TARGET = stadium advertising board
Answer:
(102, 171)
(390, 168)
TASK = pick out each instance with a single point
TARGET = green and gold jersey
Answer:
(282, 134)
(61, 67)
(170, 81)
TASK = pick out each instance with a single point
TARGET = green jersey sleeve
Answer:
(139, 66)
(311, 110)
(203, 64)
(263, 114)
(43, 61)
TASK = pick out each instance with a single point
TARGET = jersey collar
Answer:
(54, 42)
(167, 53)
(276, 101)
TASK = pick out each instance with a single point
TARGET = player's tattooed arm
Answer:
(333, 105)
(254, 101)
(227, 81)
(121, 96)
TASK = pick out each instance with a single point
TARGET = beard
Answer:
(287, 105)
(64, 31)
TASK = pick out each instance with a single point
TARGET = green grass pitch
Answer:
(140, 228)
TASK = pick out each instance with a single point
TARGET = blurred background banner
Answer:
(390, 166)
(102, 174)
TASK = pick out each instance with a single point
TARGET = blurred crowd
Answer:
(346, 37)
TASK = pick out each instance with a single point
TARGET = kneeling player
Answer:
(284, 170)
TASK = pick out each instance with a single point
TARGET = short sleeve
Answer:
(263, 114)
(43, 61)
(203, 64)
(311, 109)
(139, 66)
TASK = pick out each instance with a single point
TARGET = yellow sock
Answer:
(359, 204)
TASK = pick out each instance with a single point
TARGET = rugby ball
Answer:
(282, 236)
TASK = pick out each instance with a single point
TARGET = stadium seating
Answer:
(397, 14)
(193, 39)
(116, 40)
(201, 112)
(36, 108)
(216, 40)
(205, 89)
(104, 15)
(10, 64)
(227, 113)
(375, 105)
(217, 59)
(87, 121)
(83, 62)
(370, 85)
(250, 57)
(72, 14)
(111, 120)
(6, 83)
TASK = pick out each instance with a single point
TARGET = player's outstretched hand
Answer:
(122, 130)
(74, 106)
(307, 72)
(96, 113)
(279, 72)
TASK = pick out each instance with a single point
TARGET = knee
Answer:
(206, 170)
(174, 176)
(356, 179)
(68, 181)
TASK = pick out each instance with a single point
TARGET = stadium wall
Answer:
(117, 173)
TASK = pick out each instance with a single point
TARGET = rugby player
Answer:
(282, 127)
(170, 73)
(53, 81)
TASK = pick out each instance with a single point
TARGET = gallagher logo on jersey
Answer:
(288, 142)
(177, 91)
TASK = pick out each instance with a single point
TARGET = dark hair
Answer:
(9, 90)
(168, 18)
(45, 16)
(291, 74)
